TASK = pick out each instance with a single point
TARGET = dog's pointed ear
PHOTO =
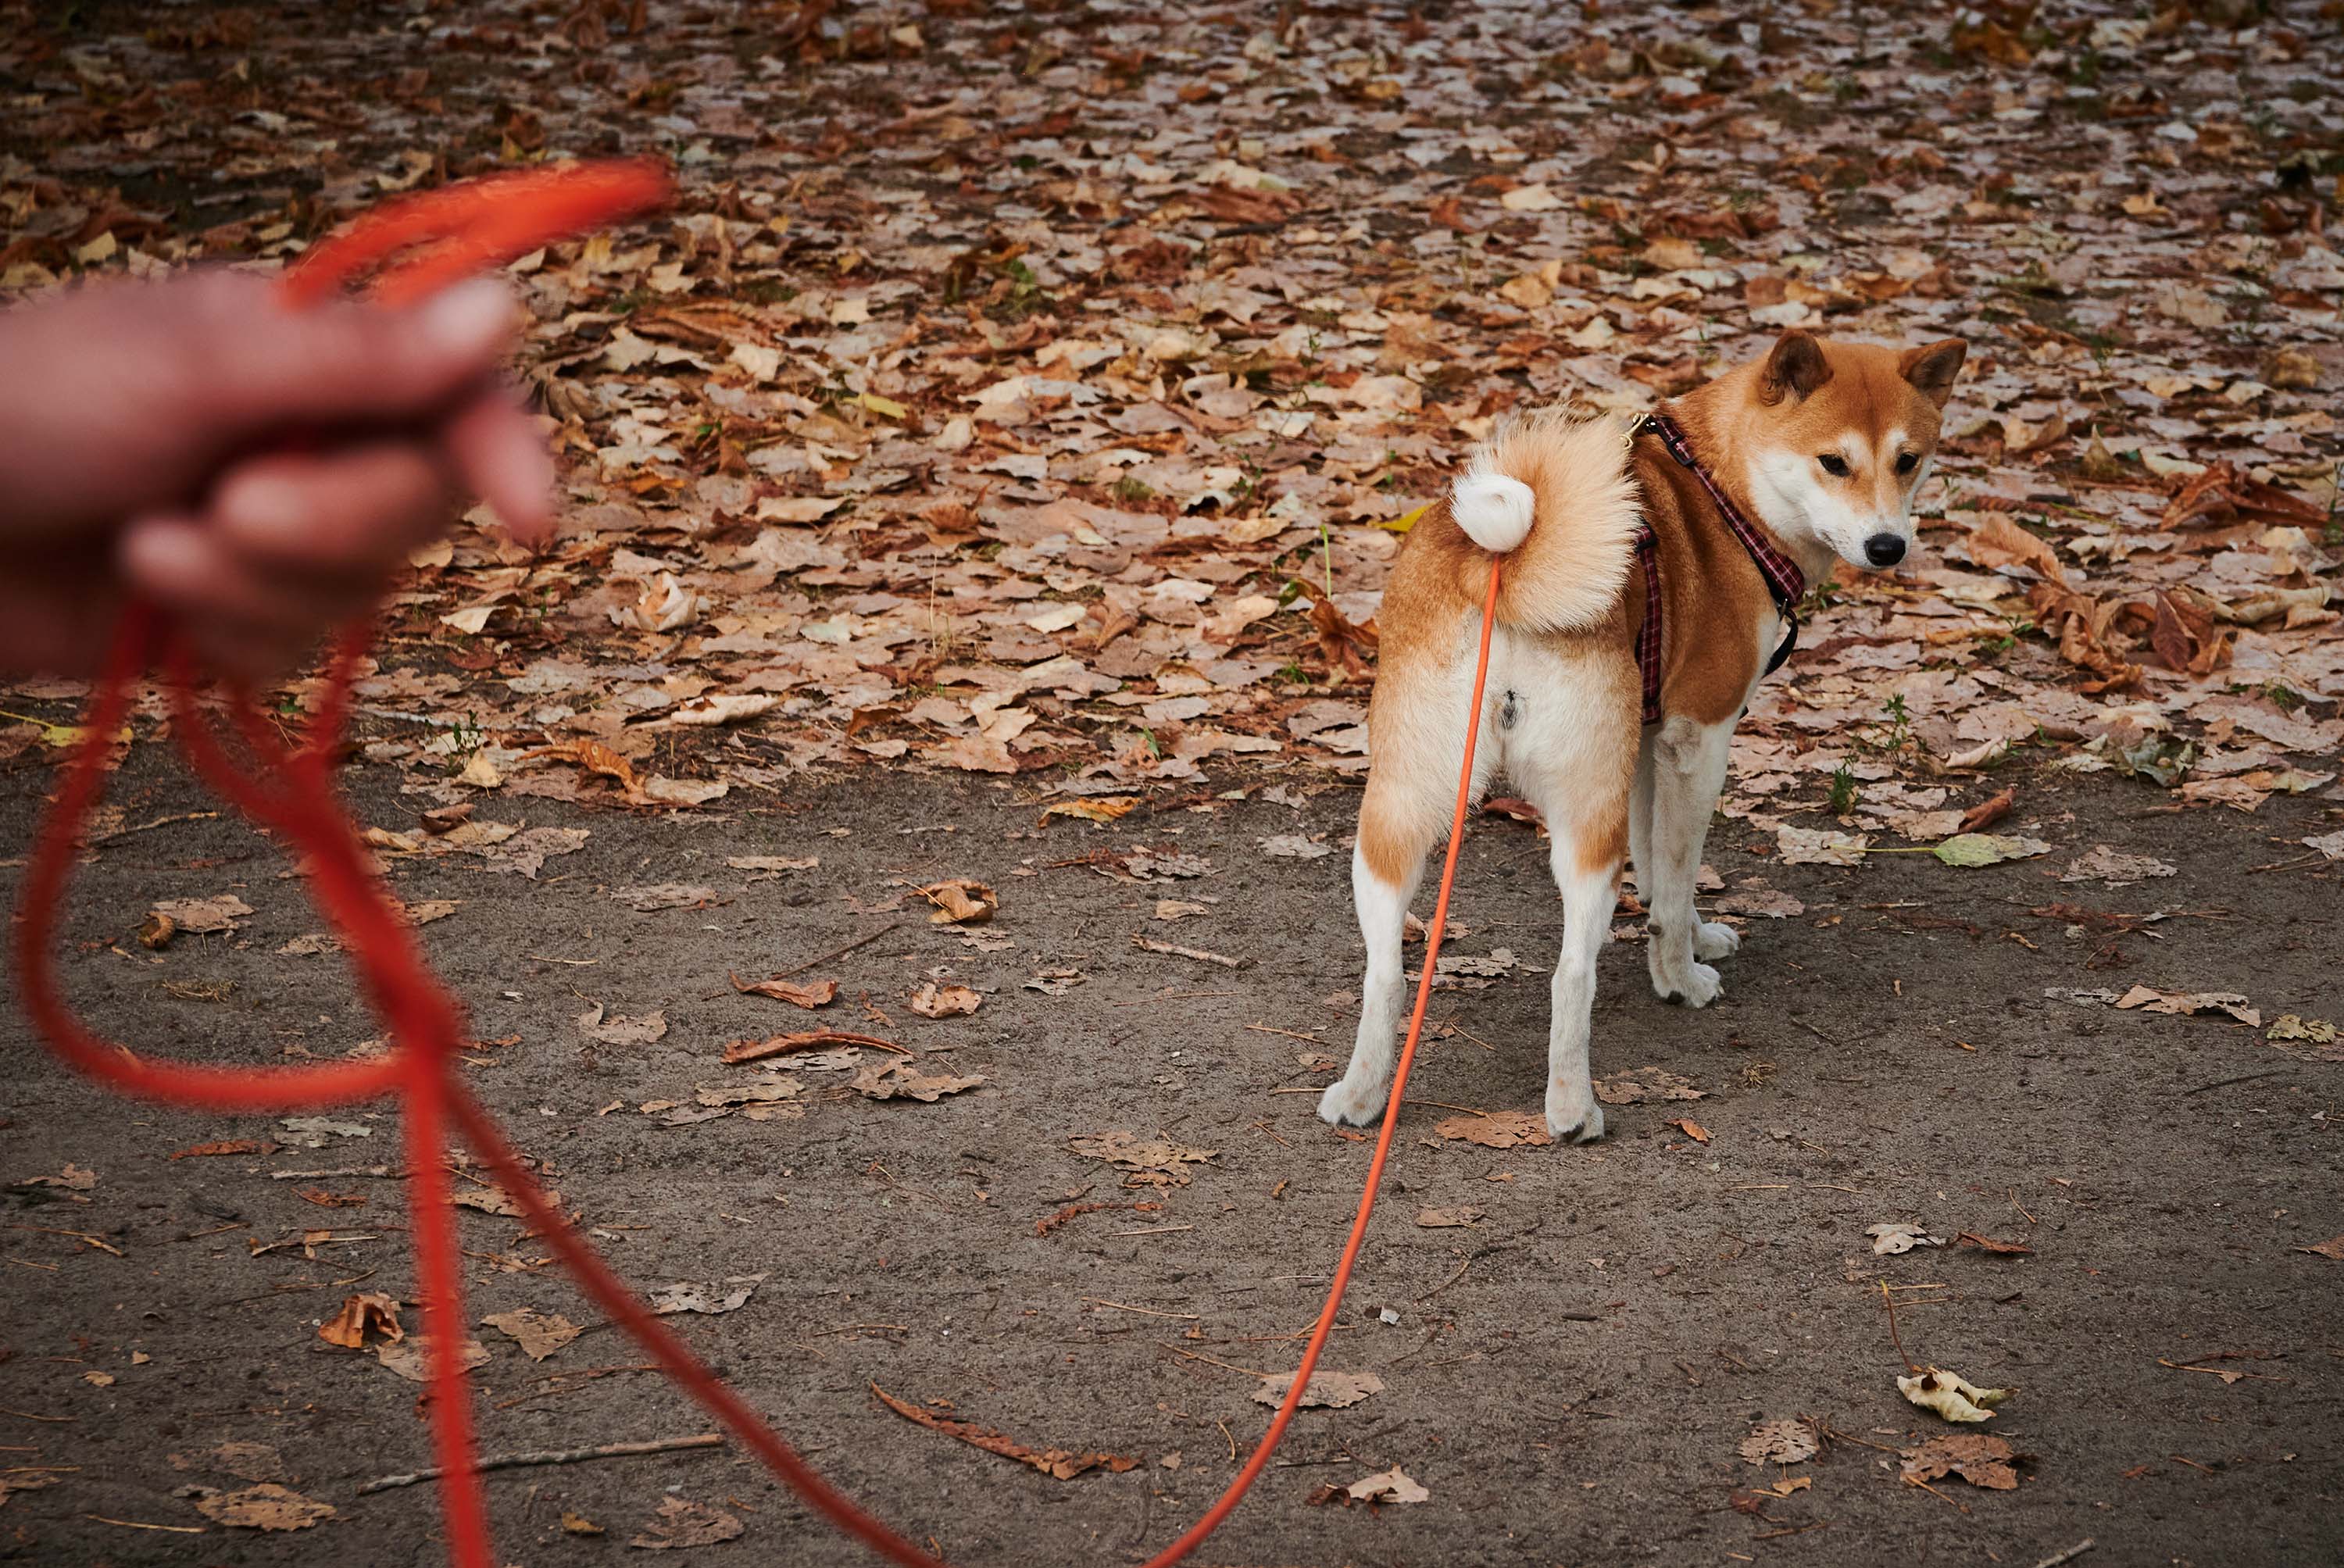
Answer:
(1795, 368)
(1933, 369)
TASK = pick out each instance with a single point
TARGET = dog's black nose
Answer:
(1883, 550)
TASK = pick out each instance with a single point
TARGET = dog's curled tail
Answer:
(1551, 492)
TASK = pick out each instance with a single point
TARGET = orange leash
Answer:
(423, 244)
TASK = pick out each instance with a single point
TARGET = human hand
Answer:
(255, 469)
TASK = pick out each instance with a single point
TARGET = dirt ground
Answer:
(1569, 1376)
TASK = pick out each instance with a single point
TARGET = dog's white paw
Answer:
(1716, 939)
(1571, 1115)
(1697, 987)
(1347, 1104)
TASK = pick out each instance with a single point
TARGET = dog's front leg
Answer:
(1687, 768)
(1356, 1098)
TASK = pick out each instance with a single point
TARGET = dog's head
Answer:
(1840, 435)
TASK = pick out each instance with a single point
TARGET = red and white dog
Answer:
(1640, 604)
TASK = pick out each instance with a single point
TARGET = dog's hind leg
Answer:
(1583, 791)
(1385, 869)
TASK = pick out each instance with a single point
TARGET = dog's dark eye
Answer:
(1907, 462)
(1833, 464)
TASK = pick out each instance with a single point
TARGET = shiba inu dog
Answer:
(1651, 577)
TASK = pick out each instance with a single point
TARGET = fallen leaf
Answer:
(1818, 847)
(2183, 1003)
(896, 1078)
(1951, 1395)
(579, 1525)
(2332, 1248)
(411, 1357)
(361, 1315)
(1785, 1440)
(1976, 849)
(1096, 808)
(1638, 1085)
(1295, 847)
(1447, 1219)
(204, 915)
(1150, 1162)
(820, 993)
(1063, 1463)
(1326, 1391)
(934, 1001)
(266, 1506)
(1691, 1128)
(682, 1523)
(621, 1031)
(1176, 909)
(1987, 813)
(1976, 1458)
(2106, 864)
(1499, 1129)
(226, 1146)
(764, 867)
(539, 1334)
(960, 902)
(1895, 1236)
(741, 1051)
(2286, 1026)
(1393, 1486)
(709, 1299)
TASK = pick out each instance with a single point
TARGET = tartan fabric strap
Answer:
(1785, 583)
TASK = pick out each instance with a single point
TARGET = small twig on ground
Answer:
(1233, 1442)
(1889, 1300)
(1933, 1491)
(2069, 1555)
(1146, 1311)
(1148, 944)
(1224, 1366)
(2241, 1079)
(554, 1456)
(838, 952)
(2022, 1208)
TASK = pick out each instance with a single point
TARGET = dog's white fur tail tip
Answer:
(1494, 510)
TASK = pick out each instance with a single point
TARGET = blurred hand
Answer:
(257, 471)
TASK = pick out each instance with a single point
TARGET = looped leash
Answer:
(1785, 583)
(420, 245)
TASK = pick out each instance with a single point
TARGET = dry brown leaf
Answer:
(934, 1001)
(818, 994)
(960, 902)
(410, 1358)
(1447, 1219)
(896, 1078)
(1326, 1391)
(1095, 808)
(741, 1051)
(1638, 1085)
(372, 1313)
(201, 916)
(1976, 1457)
(266, 1506)
(1497, 1130)
(1785, 1440)
(539, 1334)
(679, 1523)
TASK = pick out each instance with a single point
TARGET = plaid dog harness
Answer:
(1785, 583)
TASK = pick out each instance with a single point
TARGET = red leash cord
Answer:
(424, 244)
